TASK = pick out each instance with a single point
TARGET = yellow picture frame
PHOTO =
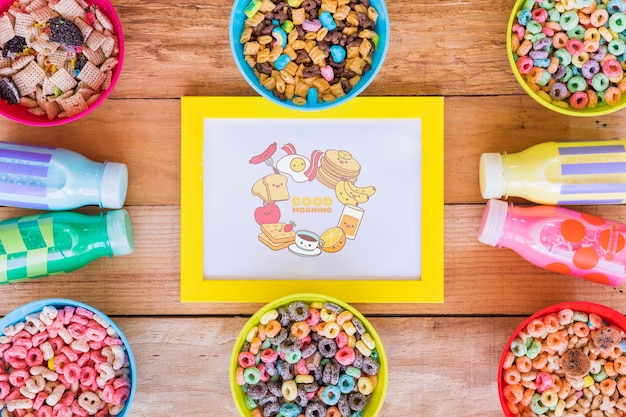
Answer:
(194, 287)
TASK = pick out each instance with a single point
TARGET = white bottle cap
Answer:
(114, 185)
(493, 221)
(120, 232)
(491, 175)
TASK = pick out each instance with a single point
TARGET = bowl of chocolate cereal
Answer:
(60, 59)
(308, 354)
(309, 54)
(566, 359)
(66, 357)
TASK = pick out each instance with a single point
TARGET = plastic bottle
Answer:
(590, 172)
(45, 178)
(558, 239)
(60, 241)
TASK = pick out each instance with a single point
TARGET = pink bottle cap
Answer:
(493, 221)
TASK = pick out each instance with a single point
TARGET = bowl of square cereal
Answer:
(569, 56)
(308, 354)
(309, 54)
(63, 357)
(565, 360)
(60, 59)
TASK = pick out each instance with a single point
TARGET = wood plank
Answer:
(479, 279)
(146, 136)
(437, 47)
(183, 364)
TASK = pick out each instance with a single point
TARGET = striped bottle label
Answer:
(603, 163)
(23, 172)
(24, 244)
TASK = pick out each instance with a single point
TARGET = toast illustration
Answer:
(271, 188)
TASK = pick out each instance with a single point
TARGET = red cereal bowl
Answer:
(73, 107)
(352, 389)
(579, 360)
(88, 343)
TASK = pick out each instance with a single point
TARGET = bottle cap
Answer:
(493, 221)
(491, 174)
(114, 185)
(120, 232)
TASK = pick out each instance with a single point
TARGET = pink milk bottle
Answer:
(558, 239)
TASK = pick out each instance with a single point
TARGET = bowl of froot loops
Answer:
(566, 359)
(569, 56)
(64, 357)
(317, 356)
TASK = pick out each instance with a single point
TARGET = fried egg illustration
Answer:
(295, 166)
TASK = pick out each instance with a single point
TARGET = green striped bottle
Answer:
(58, 242)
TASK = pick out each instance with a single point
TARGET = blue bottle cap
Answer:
(120, 232)
(114, 185)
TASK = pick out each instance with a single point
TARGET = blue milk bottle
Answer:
(46, 178)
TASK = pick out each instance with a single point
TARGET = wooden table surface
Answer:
(442, 357)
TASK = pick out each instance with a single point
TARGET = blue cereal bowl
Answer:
(31, 312)
(300, 72)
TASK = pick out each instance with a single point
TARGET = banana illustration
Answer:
(369, 191)
(343, 195)
(347, 193)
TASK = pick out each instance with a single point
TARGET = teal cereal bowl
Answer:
(119, 380)
(242, 394)
(318, 69)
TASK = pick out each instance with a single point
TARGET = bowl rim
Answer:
(355, 92)
(19, 313)
(112, 14)
(383, 375)
(608, 314)
(604, 110)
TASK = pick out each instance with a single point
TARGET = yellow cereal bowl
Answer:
(609, 317)
(245, 406)
(544, 98)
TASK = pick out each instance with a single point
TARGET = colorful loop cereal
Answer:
(327, 379)
(580, 37)
(579, 100)
(68, 385)
(574, 379)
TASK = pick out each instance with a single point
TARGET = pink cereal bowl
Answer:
(608, 315)
(20, 114)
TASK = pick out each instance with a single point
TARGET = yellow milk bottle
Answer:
(559, 173)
